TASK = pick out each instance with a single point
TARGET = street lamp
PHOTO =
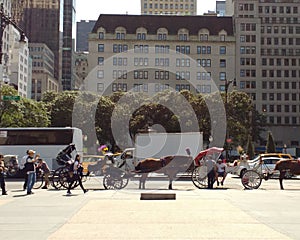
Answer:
(228, 140)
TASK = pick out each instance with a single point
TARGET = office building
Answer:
(168, 7)
(81, 65)
(147, 53)
(40, 21)
(67, 76)
(42, 70)
(83, 28)
(15, 65)
(268, 62)
(221, 8)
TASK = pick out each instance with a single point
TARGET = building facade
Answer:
(67, 74)
(83, 28)
(20, 71)
(168, 7)
(268, 62)
(42, 70)
(137, 53)
(81, 65)
(15, 66)
(40, 21)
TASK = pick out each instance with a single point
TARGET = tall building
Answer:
(83, 28)
(15, 65)
(221, 8)
(268, 62)
(67, 76)
(147, 53)
(81, 65)
(168, 7)
(42, 70)
(40, 21)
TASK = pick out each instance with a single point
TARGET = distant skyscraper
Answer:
(221, 8)
(40, 21)
(168, 7)
(67, 79)
(82, 34)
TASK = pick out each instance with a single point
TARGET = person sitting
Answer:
(221, 171)
(42, 165)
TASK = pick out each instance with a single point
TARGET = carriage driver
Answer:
(221, 171)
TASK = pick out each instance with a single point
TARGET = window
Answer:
(162, 75)
(120, 36)
(141, 48)
(222, 50)
(222, 76)
(100, 47)
(117, 48)
(203, 50)
(183, 37)
(223, 63)
(100, 60)
(203, 37)
(101, 35)
(100, 87)
(183, 49)
(141, 36)
(140, 74)
(162, 36)
(100, 74)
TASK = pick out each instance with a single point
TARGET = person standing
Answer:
(211, 171)
(44, 167)
(30, 170)
(221, 171)
(23, 170)
(75, 174)
(3, 169)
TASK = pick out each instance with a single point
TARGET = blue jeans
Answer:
(31, 181)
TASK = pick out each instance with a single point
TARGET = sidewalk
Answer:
(103, 214)
(179, 219)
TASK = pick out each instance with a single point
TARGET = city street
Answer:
(222, 213)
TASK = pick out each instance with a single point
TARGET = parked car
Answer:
(269, 159)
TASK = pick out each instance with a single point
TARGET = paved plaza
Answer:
(223, 213)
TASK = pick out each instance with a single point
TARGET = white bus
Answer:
(47, 142)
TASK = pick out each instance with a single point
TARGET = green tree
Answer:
(270, 147)
(250, 148)
(23, 113)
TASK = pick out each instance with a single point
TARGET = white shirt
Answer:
(23, 161)
(221, 167)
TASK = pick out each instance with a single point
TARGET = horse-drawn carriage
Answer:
(117, 175)
(60, 178)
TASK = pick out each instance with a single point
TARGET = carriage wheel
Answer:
(113, 181)
(199, 177)
(251, 179)
(56, 179)
(38, 181)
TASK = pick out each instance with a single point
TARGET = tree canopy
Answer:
(117, 118)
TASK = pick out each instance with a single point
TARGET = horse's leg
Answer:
(281, 176)
(143, 180)
(171, 177)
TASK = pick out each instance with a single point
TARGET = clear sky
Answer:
(91, 9)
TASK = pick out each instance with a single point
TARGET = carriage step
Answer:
(158, 196)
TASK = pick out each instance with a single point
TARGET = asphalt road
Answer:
(228, 212)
